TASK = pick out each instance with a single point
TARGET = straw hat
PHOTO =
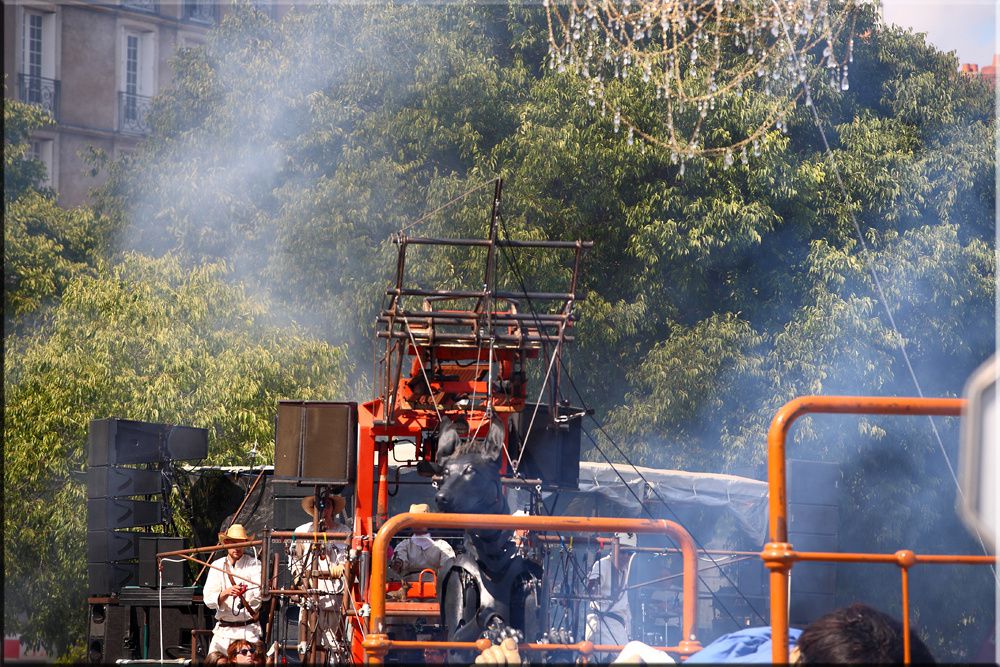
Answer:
(309, 504)
(235, 533)
(421, 508)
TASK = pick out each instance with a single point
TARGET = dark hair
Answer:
(859, 634)
(214, 657)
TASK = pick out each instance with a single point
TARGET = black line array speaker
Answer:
(173, 570)
(113, 546)
(109, 482)
(114, 513)
(316, 442)
(106, 578)
(118, 441)
(813, 525)
(123, 441)
(553, 448)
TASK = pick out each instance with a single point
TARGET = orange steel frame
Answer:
(377, 643)
(778, 555)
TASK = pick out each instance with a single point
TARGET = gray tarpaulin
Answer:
(744, 498)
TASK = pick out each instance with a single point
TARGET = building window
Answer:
(138, 83)
(36, 80)
(151, 6)
(202, 11)
(42, 150)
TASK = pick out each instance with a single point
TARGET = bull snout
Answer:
(443, 501)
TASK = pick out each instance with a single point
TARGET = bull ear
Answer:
(448, 439)
(494, 441)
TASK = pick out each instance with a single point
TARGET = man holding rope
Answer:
(232, 589)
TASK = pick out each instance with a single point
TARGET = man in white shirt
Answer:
(609, 619)
(232, 589)
(419, 552)
(317, 564)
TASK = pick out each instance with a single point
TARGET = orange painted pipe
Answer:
(377, 643)
(905, 573)
(895, 559)
(775, 553)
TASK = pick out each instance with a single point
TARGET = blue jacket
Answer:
(745, 646)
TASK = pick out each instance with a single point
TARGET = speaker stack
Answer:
(813, 525)
(125, 488)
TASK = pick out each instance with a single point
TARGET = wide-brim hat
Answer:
(309, 504)
(235, 533)
(421, 508)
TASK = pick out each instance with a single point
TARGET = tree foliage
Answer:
(145, 339)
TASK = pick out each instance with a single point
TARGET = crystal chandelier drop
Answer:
(690, 59)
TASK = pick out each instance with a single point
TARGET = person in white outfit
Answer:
(420, 552)
(609, 619)
(317, 564)
(232, 589)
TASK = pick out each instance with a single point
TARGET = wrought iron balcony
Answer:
(133, 112)
(41, 91)
(151, 6)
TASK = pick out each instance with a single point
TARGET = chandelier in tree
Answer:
(661, 68)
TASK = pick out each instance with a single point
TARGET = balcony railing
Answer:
(41, 91)
(151, 6)
(133, 112)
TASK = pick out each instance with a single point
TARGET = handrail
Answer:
(778, 555)
(376, 643)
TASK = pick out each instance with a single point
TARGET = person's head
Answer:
(261, 655)
(325, 507)
(234, 534)
(241, 652)
(420, 508)
(216, 658)
(858, 634)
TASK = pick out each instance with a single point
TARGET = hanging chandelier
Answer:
(691, 59)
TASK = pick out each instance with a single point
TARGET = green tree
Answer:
(144, 339)
(45, 246)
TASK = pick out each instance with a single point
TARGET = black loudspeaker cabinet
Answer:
(106, 578)
(118, 441)
(123, 441)
(109, 482)
(173, 570)
(113, 513)
(316, 442)
(553, 449)
(177, 625)
(186, 443)
(109, 635)
(113, 545)
(813, 525)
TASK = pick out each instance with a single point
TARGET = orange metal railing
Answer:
(377, 643)
(778, 555)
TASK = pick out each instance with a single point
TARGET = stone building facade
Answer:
(96, 66)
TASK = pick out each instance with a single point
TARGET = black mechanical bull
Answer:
(490, 590)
